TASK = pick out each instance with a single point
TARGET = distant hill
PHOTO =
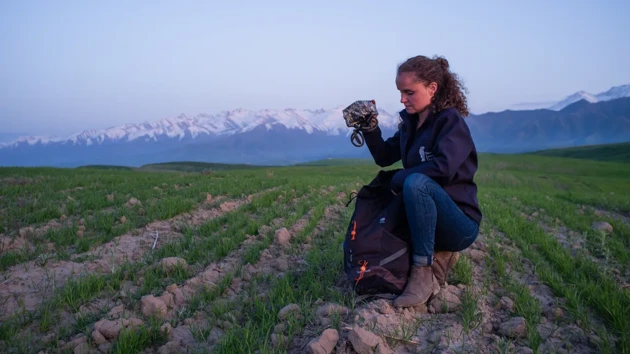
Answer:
(106, 167)
(581, 123)
(337, 162)
(609, 152)
(191, 166)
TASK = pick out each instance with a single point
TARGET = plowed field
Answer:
(250, 261)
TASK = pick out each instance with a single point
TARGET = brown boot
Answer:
(420, 286)
(443, 262)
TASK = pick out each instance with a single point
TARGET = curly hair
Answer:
(451, 91)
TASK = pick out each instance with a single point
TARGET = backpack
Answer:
(377, 241)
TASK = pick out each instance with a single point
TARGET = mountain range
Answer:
(611, 93)
(292, 135)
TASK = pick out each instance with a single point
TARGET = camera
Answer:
(360, 115)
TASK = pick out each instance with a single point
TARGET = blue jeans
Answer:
(436, 222)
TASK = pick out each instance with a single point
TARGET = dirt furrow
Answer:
(624, 218)
(580, 281)
(261, 287)
(247, 286)
(28, 236)
(126, 310)
(273, 261)
(558, 330)
(181, 308)
(173, 305)
(595, 248)
(24, 286)
(177, 303)
(22, 240)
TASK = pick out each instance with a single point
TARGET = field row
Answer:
(559, 241)
(197, 245)
(104, 208)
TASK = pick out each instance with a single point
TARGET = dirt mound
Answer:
(20, 181)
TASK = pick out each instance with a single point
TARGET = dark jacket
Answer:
(442, 149)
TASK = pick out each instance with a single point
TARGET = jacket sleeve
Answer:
(384, 152)
(452, 147)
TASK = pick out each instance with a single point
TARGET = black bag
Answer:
(377, 248)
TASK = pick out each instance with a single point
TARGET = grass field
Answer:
(249, 260)
(611, 152)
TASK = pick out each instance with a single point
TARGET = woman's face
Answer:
(414, 95)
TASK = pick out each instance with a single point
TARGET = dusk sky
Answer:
(66, 66)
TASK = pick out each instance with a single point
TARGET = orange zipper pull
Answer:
(363, 267)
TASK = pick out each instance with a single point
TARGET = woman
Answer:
(439, 161)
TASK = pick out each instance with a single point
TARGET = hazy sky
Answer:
(73, 65)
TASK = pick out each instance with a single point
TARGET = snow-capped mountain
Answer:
(239, 136)
(611, 94)
(614, 92)
(580, 95)
(224, 123)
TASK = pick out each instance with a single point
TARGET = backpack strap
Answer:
(393, 257)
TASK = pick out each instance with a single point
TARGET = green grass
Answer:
(595, 183)
(525, 304)
(619, 152)
(515, 183)
(102, 201)
(93, 199)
